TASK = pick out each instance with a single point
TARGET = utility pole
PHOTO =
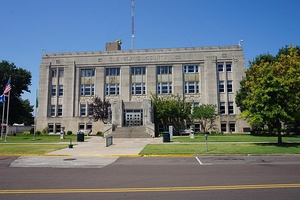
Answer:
(132, 24)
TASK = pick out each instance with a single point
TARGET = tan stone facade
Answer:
(69, 81)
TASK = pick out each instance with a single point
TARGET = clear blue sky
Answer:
(27, 26)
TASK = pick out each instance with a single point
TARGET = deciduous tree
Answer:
(100, 110)
(206, 114)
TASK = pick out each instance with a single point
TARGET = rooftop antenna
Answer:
(132, 24)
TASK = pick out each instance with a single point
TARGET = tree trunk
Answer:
(278, 125)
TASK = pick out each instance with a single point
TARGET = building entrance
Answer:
(133, 117)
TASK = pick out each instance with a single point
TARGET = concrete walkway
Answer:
(91, 153)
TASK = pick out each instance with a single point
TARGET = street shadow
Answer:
(284, 144)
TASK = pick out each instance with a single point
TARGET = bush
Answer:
(45, 131)
(99, 133)
(38, 133)
(69, 133)
(26, 133)
(31, 130)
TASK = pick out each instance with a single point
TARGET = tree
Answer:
(20, 110)
(206, 114)
(171, 110)
(270, 92)
(101, 110)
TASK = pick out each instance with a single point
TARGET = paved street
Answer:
(91, 171)
(216, 177)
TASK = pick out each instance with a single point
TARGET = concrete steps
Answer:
(130, 132)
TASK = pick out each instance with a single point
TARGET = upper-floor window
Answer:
(87, 90)
(82, 109)
(164, 69)
(220, 67)
(138, 88)
(222, 107)
(59, 110)
(52, 110)
(191, 87)
(60, 72)
(112, 71)
(138, 70)
(229, 86)
(164, 88)
(60, 90)
(112, 89)
(221, 86)
(90, 110)
(87, 72)
(53, 90)
(53, 73)
(230, 108)
(190, 69)
(228, 67)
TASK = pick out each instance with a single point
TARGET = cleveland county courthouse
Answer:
(128, 78)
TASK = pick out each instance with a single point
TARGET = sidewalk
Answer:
(91, 153)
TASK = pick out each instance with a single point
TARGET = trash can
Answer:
(166, 137)
(80, 136)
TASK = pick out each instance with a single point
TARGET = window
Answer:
(57, 128)
(230, 108)
(221, 86)
(190, 69)
(164, 69)
(60, 72)
(191, 87)
(53, 74)
(89, 126)
(138, 88)
(196, 104)
(228, 67)
(223, 127)
(80, 126)
(60, 90)
(229, 86)
(87, 72)
(87, 90)
(53, 90)
(220, 67)
(197, 128)
(112, 71)
(90, 110)
(52, 111)
(59, 110)
(222, 107)
(82, 109)
(50, 128)
(164, 88)
(232, 126)
(138, 70)
(112, 89)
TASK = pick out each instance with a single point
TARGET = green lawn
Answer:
(220, 148)
(29, 149)
(234, 138)
(39, 139)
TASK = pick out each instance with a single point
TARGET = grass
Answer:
(234, 138)
(225, 144)
(236, 148)
(39, 139)
(27, 149)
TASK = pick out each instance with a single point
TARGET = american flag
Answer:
(8, 87)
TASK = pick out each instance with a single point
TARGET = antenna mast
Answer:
(132, 24)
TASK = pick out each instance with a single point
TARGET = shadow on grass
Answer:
(289, 144)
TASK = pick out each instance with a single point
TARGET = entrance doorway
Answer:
(133, 117)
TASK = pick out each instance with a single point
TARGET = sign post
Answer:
(206, 142)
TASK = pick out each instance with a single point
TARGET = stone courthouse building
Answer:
(127, 78)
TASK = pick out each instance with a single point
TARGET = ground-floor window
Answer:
(197, 128)
(50, 128)
(81, 126)
(232, 126)
(223, 127)
(57, 128)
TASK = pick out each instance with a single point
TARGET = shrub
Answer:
(69, 133)
(38, 133)
(99, 133)
(26, 133)
(45, 131)
(31, 130)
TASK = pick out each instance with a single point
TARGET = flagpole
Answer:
(3, 110)
(7, 114)
(34, 134)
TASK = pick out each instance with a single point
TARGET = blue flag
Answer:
(2, 98)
